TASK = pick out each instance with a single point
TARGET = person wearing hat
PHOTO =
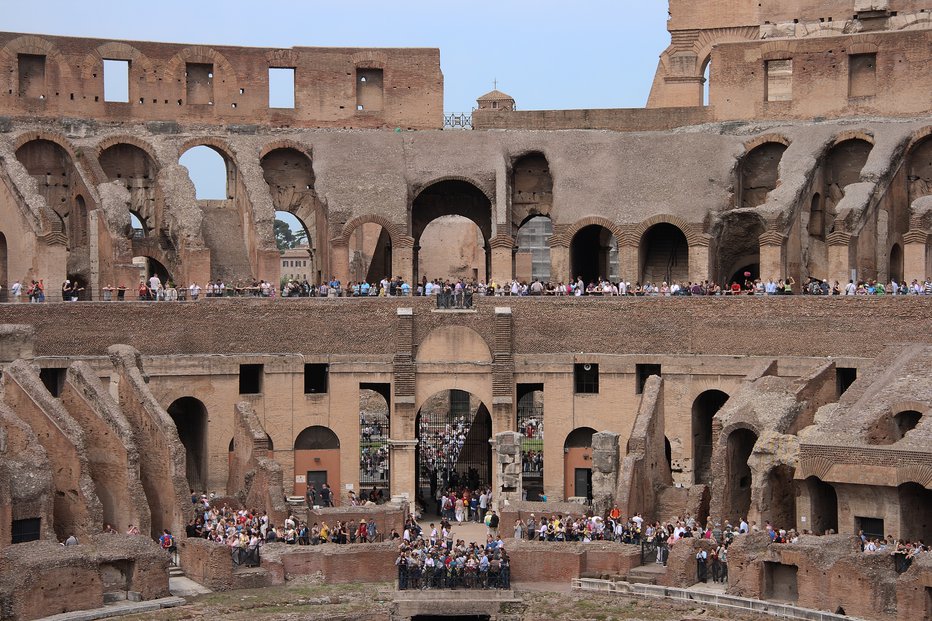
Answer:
(531, 527)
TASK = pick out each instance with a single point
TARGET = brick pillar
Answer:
(915, 255)
(699, 259)
(503, 385)
(502, 249)
(629, 258)
(559, 261)
(605, 470)
(339, 261)
(403, 259)
(772, 255)
(842, 248)
(403, 438)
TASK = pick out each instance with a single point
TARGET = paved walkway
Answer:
(467, 531)
(183, 586)
(117, 609)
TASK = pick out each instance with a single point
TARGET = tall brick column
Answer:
(629, 258)
(403, 259)
(772, 255)
(559, 260)
(403, 442)
(503, 384)
(339, 261)
(915, 255)
(841, 254)
(502, 248)
(699, 258)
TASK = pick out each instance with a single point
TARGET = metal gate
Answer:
(453, 433)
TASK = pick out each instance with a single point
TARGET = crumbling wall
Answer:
(255, 479)
(162, 456)
(605, 470)
(16, 341)
(26, 490)
(507, 451)
(77, 510)
(111, 450)
(644, 470)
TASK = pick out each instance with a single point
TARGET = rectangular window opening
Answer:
(862, 75)
(116, 81)
(780, 582)
(316, 378)
(872, 527)
(53, 379)
(28, 529)
(199, 83)
(779, 85)
(31, 75)
(642, 372)
(250, 379)
(281, 87)
(586, 378)
(369, 90)
(844, 377)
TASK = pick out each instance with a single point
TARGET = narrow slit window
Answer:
(281, 87)
(116, 81)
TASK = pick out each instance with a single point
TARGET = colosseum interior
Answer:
(810, 159)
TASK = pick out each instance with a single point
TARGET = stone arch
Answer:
(57, 69)
(758, 170)
(918, 164)
(139, 143)
(190, 417)
(663, 253)
(317, 458)
(736, 237)
(693, 237)
(286, 143)
(140, 64)
(738, 442)
(593, 253)
(369, 242)
(316, 437)
(225, 151)
(48, 136)
(229, 81)
(421, 187)
(704, 408)
(566, 236)
(394, 230)
(135, 166)
(454, 344)
(577, 463)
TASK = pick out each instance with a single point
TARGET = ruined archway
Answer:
(915, 503)
(704, 408)
(896, 263)
(739, 446)
(59, 183)
(149, 266)
(594, 254)
(453, 429)
(738, 247)
(317, 461)
(190, 417)
(135, 168)
(370, 252)
(663, 254)
(759, 174)
(823, 506)
(778, 498)
(374, 434)
(577, 463)
(451, 197)
(210, 170)
(290, 176)
(919, 170)
(453, 247)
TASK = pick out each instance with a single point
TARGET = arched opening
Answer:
(209, 171)
(190, 418)
(317, 462)
(134, 167)
(577, 463)
(137, 226)
(704, 409)
(530, 424)
(149, 267)
(370, 253)
(823, 505)
(778, 504)
(594, 254)
(297, 257)
(896, 263)
(915, 503)
(739, 447)
(453, 429)
(919, 171)
(759, 173)
(289, 174)
(452, 247)
(891, 428)
(664, 255)
(668, 452)
(738, 247)
(60, 184)
(374, 432)
(706, 81)
(843, 165)
(531, 205)
(532, 252)
(452, 198)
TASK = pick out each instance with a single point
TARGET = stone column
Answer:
(772, 255)
(915, 255)
(506, 447)
(401, 467)
(699, 259)
(403, 433)
(339, 261)
(841, 251)
(605, 469)
(403, 259)
(502, 248)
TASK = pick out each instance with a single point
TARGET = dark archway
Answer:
(704, 409)
(137, 170)
(738, 247)
(316, 438)
(453, 429)
(152, 267)
(370, 253)
(739, 447)
(915, 512)
(451, 197)
(823, 503)
(594, 254)
(190, 418)
(577, 463)
(759, 173)
(896, 263)
(779, 498)
(663, 254)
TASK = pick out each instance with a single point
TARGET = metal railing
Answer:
(457, 120)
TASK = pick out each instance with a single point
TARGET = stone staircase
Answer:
(222, 228)
(646, 574)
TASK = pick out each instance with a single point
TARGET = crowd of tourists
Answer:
(461, 293)
(436, 560)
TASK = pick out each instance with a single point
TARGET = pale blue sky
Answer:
(547, 54)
